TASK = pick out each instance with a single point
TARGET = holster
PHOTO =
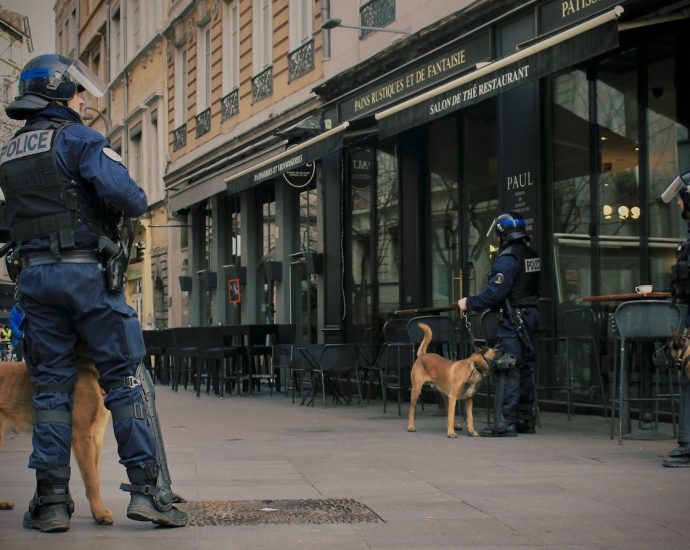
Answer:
(516, 318)
(115, 261)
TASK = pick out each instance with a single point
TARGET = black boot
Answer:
(678, 457)
(525, 422)
(526, 426)
(148, 503)
(504, 430)
(51, 507)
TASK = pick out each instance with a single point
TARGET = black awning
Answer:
(189, 193)
(294, 157)
(566, 49)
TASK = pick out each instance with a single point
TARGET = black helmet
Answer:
(511, 226)
(51, 77)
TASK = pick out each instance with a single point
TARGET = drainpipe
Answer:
(108, 68)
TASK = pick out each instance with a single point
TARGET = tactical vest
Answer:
(525, 289)
(680, 275)
(40, 203)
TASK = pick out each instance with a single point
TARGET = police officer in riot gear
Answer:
(513, 289)
(679, 457)
(65, 189)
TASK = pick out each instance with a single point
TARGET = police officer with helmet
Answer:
(513, 290)
(679, 190)
(65, 191)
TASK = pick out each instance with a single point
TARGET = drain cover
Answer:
(255, 512)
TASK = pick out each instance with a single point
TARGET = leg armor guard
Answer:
(501, 426)
(162, 494)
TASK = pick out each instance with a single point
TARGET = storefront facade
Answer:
(580, 135)
(570, 113)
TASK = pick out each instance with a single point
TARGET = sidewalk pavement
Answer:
(567, 486)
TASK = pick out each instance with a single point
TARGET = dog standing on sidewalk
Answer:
(89, 418)
(458, 380)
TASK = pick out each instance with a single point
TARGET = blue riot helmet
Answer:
(511, 226)
(51, 77)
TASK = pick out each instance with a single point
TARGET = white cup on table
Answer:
(644, 289)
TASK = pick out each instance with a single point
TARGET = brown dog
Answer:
(89, 418)
(458, 380)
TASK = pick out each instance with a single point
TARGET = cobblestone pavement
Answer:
(568, 486)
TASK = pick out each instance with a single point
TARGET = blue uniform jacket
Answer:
(503, 272)
(80, 156)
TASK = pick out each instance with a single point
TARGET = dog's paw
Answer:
(452, 435)
(104, 516)
(473, 433)
(6, 505)
(411, 429)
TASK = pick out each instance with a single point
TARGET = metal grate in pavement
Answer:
(256, 512)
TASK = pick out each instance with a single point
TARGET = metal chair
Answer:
(641, 322)
(444, 339)
(332, 367)
(395, 360)
(259, 348)
(215, 350)
(574, 347)
(185, 356)
(282, 356)
(155, 342)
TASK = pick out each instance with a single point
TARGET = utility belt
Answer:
(111, 255)
(32, 259)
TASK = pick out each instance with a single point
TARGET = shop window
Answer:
(262, 35)
(308, 227)
(268, 221)
(618, 186)
(180, 86)
(387, 228)
(443, 190)
(235, 251)
(203, 67)
(481, 171)
(231, 47)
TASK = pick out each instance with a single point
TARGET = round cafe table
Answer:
(626, 296)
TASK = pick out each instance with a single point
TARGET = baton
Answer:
(435, 309)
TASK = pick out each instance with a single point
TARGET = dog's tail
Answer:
(425, 341)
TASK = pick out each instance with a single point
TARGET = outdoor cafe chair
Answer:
(282, 347)
(572, 350)
(185, 356)
(333, 367)
(395, 360)
(156, 343)
(641, 322)
(259, 348)
(215, 353)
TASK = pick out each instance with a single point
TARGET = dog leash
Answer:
(468, 327)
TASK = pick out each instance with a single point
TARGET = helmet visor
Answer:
(85, 77)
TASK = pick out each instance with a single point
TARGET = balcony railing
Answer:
(180, 137)
(230, 105)
(301, 61)
(203, 122)
(376, 13)
(262, 84)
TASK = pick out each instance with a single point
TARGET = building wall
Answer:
(15, 50)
